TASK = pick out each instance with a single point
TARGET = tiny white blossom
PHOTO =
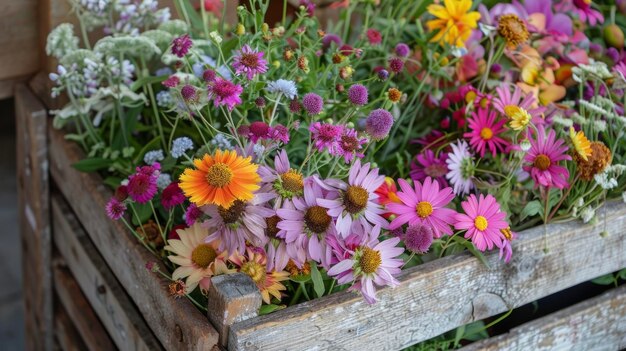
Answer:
(153, 156)
(216, 37)
(604, 181)
(283, 86)
(587, 214)
(180, 146)
(164, 180)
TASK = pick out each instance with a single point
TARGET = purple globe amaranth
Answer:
(181, 45)
(379, 123)
(313, 103)
(357, 94)
(418, 238)
(402, 50)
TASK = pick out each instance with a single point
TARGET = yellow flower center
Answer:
(484, 102)
(513, 30)
(542, 162)
(317, 219)
(394, 95)
(203, 255)
(507, 233)
(233, 213)
(254, 270)
(486, 133)
(481, 223)
(519, 116)
(219, 175)
(292, 181)
(355, 199)
(511, 110)
(424, 209)
(370, 260)
(470, 96)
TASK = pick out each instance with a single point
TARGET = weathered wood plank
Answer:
(66, 335)
(595, 324)
(33, 204)
(18, 37)
(79, 310)
(176, 322)
(113, 306)
(7, 86)
(446, 293)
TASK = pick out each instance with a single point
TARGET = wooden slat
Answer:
(7, 86)
(66, 335)
(33, 204)
(113, 306)
(18, 37)
(79, 310)
(595, 324)
(446, 293)
(176, 322)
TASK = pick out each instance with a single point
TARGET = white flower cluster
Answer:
(282, 86)
(153, 156)
(180, 146)
(96, 7)
(164, 180)
(607, 180)
(587, 214)
(164, 99)
(595, 69)
(221, 142)
(135, 15)
(61, 41)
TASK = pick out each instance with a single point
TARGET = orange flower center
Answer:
(486, 133)
(370, 260)
(424, 209)
(507, 233)
(233, 213)
(317, 219)
(292, 181)
(254, 270)
(355, 199)
(481, 223)
(219, 175)
(394, 95)
(203, 255)
(250, 60)
(542, 162)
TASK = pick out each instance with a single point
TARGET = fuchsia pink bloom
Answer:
(357, 94)
(349, 145)
(543, 157)
(374, 36)
(115, 209)
(357, 205)
(249, 62)
(424, 204)
(379, 123)
(483, 221)
(485, 132)
(224, 92)
(326, 136)
(172, 196)
(313, 103)
(142, 186)
(181, 45)
(369, 264)
(192, 214)
(426, 164)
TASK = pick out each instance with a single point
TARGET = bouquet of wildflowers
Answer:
(316, 159)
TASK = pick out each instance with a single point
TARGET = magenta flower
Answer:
(378, 124)
(224, 92)
(258, 130)
(115, 209)
(181, 45)
(172, 196)
(543, 157)
(326, 136)
(192, 214)
(171, 82)
(374, 36)
(307, 225)
(402, 50)
(507, 103)
(142, 186)
(426, 164)
(357, 204)
(350, 145)
(396, 64)
(586, 13)
(418, 238)
(424, 204)
(484, 132)
(483, 221)
(357, 94)
(313, 103)
(249, 62)
(279, 133)
(370, 264)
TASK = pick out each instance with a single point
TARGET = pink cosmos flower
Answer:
(483, 221)
(507, 103)
(588, 14)
(349, 145)
(243, 220)
(426, 164)
(326, 136)
(172, 196)
(307, 224)
(424, 204)
(484, 132)
(357, 204)
(249, 62)
(543, 157)
(224, 92)
(370, 264)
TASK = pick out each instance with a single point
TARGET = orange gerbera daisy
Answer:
(220, 179)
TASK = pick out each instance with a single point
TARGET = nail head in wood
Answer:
(232, 298)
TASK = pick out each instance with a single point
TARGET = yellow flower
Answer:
(220, 179)
(519, 116)
(581, 143)
(454, 22)
(254, 264)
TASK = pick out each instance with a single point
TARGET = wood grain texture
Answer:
(446, 293)
(33, 204)
(79, 310)
(114, 308)
(596, 324)
(232, 298)
(18, 38)
(176, 322)
(66, 335)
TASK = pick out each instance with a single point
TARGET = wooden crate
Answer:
(433, 298)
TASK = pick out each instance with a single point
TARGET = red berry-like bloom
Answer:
(258, 130)
(181, 45)
(115, 209)
(209, 75)
(396, 64)
(171, 82)
(172, 196)
(188, 92)
(374, 36)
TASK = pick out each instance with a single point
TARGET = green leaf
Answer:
(144, 212)
(604, 280)
(92, 164)
(622, 274)
(532, 208)
(301, 278)
(113, 182)
(318, 283)
(475, 331)
(265, 309)
(458, 335)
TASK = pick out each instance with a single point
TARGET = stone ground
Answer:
(11, 306)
